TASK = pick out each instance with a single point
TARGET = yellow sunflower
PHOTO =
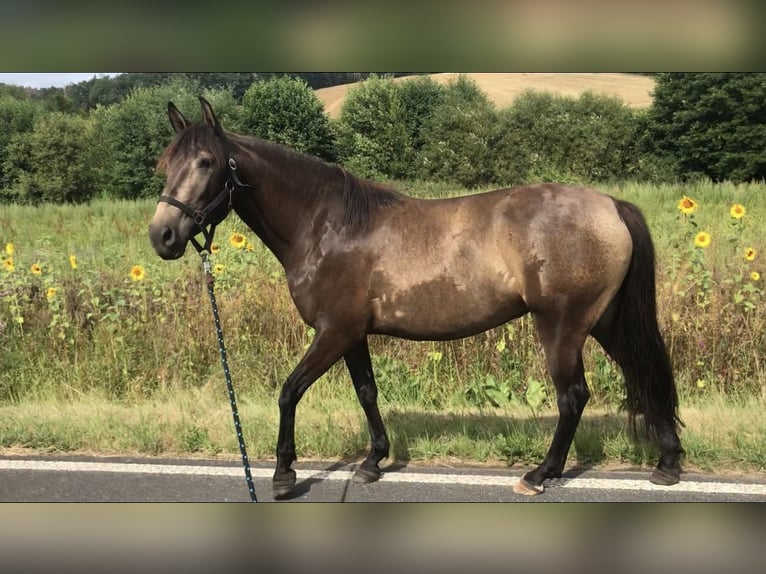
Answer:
(9, 248)
(702, 239)
(755, 276)
(750, 254)
(137, 273)
(737, 211)
(73, 262)
(686, 205)
(237, 240)
(218, 268)
(8, 264)
(215, 248)
(35, 269)
(50, 294)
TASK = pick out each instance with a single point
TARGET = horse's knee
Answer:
(288, 398)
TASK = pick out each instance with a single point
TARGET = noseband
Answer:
(203, 217)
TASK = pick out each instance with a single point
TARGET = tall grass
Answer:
(127, 328)
(68, 330)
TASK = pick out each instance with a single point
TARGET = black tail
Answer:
(636, 343)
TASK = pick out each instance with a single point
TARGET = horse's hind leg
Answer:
(360, 368)
(563, 353)
(645, 364)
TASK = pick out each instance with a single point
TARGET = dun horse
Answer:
(362, 259)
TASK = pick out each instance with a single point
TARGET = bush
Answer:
(286, 110)
(458, 136)
(53, 161)
(543, 137)
(373, 138)
(420, 97)
(17, 116)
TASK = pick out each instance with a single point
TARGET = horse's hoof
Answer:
(366, 475)
(283, 483)
(663, 477)
(527, 489)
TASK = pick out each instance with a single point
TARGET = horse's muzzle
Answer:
(166, 241)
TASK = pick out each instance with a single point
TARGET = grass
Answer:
(112, 365)
(721, 435)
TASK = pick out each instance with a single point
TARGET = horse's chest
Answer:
(324, 282)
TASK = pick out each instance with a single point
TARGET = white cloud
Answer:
(48, 80)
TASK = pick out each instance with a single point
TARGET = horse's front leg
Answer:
(326, 348)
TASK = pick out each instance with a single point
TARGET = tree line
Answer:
(700, 126)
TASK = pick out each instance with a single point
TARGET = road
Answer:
(93, 479)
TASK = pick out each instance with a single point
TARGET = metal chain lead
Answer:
(229, 386)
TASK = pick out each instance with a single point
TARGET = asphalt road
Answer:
(86, 479)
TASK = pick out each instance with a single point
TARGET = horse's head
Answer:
(198, 185)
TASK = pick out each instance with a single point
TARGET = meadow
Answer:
(108, 349)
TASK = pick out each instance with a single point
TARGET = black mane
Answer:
(361, 200)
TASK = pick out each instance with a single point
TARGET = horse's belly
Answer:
(433, 311)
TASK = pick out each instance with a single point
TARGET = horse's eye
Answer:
(206, 163)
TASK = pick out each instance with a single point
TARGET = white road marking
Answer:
(399, 477)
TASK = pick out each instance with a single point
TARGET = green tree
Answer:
(53, 161)
(420, 96)
(373, 137)
(17, 116)
(287, 111)
(710, 125)
(545, 137)
(458, 137)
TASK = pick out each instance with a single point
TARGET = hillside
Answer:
(635, 91)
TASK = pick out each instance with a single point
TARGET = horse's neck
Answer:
(287, 193)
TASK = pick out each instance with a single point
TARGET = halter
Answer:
(202, 217)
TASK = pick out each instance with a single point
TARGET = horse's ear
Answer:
(209, 116)
(177, 119)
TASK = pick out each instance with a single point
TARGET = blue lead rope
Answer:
(232, 398)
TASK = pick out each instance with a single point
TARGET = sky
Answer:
(48, 80)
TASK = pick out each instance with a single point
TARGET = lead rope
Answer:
(232, 398)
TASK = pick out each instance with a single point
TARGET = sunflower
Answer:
(50, 294)
(755, 276)
(250, 247)
(737, 211)
(750, 254)
(686, 205)
(215, 248)
(218, 268)
(237, 240)
(73, 262)
(137, 273)
(8, 264)
(35, 269)
(702, 239)
(9, 248)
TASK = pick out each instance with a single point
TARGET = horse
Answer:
(361, 258)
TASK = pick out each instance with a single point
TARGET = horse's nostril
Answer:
(167, 236)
